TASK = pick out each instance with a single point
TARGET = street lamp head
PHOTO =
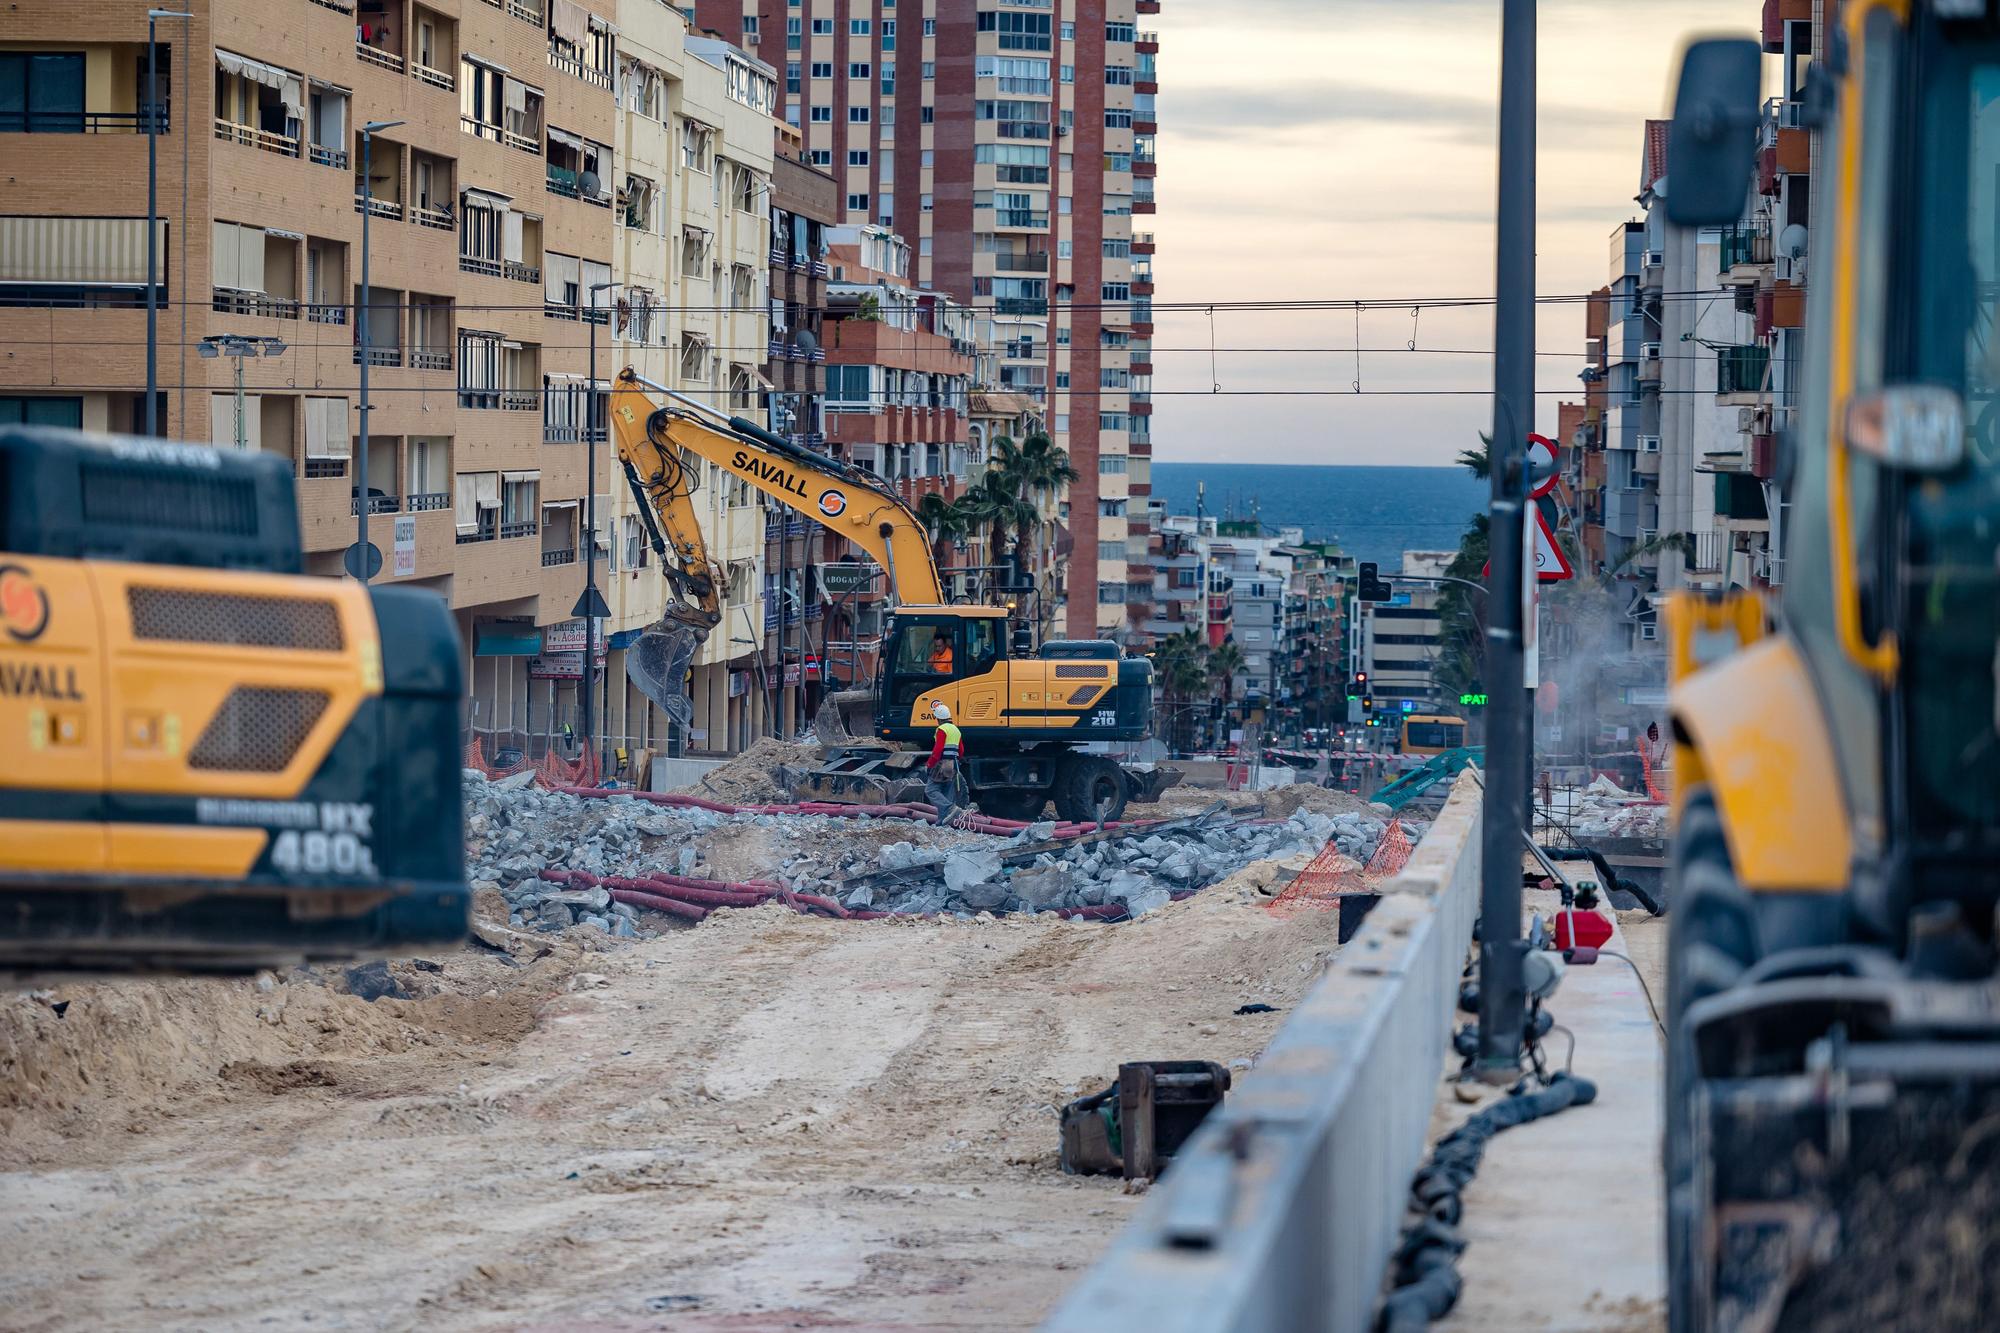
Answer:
(168, 14)
(274, 347)
(377, 126)
(209, 351)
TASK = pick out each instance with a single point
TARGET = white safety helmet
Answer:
(940, 712)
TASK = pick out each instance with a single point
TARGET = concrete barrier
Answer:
(1282, 1211)
(674, 774)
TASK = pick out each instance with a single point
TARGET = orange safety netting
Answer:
(1331, 876)
(1647, 772)
(550, 770)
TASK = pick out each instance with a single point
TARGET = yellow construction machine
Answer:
(1025, 719)
(1833, 1068)
(209, 761)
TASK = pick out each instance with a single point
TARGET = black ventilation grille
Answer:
(238, 619)
(134, 495)
(258, 729)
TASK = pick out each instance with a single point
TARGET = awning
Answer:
(515, 96)
(287, 235)
(759, 376)
(507, 643)
(512, 478)
(290, 88)
(479, 198)
(699, 235)
(549, 505)
(571, 22)
(566, 139)
(484, 63)
(105, 252)
(693, 339)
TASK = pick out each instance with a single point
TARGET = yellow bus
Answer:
(1432, 734)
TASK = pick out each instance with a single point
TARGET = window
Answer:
(888, 87)
(1111, 420)
(930, 27)
(857, 115)
(791, 34)
(929, 73)
(822, 115)
(822, 69)
(1062, 379)
(822, 27)
(791, 76)
(1118, 32)
(847, 384)
(888, 34)
(749, 25)
(857, 157)
(1016, 74)
(924, 158)
(925, 114)
(478, 369)
(885, 211)
(924, 246)
(857, 203)
(695, 140)
(1117, 247)
(694, 357)
(694, 252)
(859, 27)
(822, 157)
(1111, 465)
(860, 69)
(1118, 118)
(1062, 335)
(1117, 161)
(1118, 76)
(923, 203)
(49, 411)
(1019, 32)
(1113, 338)
(1111, 377)
(888, 121)
(1069, 32)
(41, 92)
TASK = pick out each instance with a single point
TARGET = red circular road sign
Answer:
(1543, 472)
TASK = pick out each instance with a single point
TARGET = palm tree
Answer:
(1180, 665)
(945, 521)
(1224, 661)
(999, 503)
(1479, 462)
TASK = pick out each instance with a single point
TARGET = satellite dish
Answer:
(1792, 240)
(806, 342)
(590, 184)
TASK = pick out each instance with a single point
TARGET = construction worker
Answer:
(941, 654)
(941, 780)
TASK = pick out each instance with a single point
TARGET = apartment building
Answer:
(266, 177)
(1399, 640)
(1312, 688)
(1012, 144)
(690, 310)
(900, 363)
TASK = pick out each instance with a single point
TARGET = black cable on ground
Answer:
(1426, 1263)
(1608, 877)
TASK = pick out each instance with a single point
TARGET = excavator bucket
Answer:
(858, 775)
(845, 717)
(658, 663)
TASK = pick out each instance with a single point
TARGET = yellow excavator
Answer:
(1832, 1144)
(1026, 720)
(208, 760)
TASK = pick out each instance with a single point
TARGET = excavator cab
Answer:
(926, 650)
(1833, 1060)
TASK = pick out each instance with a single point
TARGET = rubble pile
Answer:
(1606, 810)
(557, 859)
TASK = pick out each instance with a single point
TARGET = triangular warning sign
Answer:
(1551, 565)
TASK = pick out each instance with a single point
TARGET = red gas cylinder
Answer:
(1589, 930)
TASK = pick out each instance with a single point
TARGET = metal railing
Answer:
(526, 527)
(321, 313)
(483, 533)
(521, 272)
(525, 12)
(474, 264)
(284, 145)
(381, 356)
(1739, 246)
(320, 469)
(566, 556)
(562, 181)
(321, 155)
(429, 501)
(516, 401)
(430, 360)
(437, 218)
(377, 504)
(229, 301)
(436, 78)
(1741, 369)
(375, 55)
(521, 141)
(392, 209)
(78, 122)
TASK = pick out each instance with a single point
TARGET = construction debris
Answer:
(628, 865)
(1605, 810)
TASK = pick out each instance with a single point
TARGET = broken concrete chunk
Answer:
(965, 868)
(1151, 900)
(1043, 887)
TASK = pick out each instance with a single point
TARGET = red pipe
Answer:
(674, 906)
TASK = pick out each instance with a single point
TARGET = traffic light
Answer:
(1369, 586)
(1368, 704)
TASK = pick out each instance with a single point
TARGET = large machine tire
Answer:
(1086, 782)
(1011, 802)
(1711, 940)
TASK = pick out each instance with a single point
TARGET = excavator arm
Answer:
(654, 444)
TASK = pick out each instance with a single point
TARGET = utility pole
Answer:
(153, 17)
(1501, 1000)
(591, 604)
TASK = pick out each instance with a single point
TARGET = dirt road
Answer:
(769, 1121)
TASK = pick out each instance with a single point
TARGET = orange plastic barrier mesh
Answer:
(1319, 887)
(1392, 853)
(550, 770)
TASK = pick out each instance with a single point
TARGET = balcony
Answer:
(437, 218)
(1741, 371)
(520, 272)
(436, 78)
(284, 145)
(427, 360)
(560, 556)
(424, 502)
(375, 55)
(526, 527)
(381, 356)
(322, 156)
(390, 209)
(229, 301)
(377, 503)
(317, 313)
(492, 268)
(516, 400)
(1030, 261)
(79, 122)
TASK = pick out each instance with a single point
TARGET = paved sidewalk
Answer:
(1563, 1219)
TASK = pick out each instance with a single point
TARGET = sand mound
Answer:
(749, 779)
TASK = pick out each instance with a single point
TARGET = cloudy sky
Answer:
(1341, 149)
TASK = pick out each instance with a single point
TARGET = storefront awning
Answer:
(507, 643)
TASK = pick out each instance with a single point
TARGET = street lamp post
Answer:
(590, 605)
(362, 309)
(153, 17)
(237, 349)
